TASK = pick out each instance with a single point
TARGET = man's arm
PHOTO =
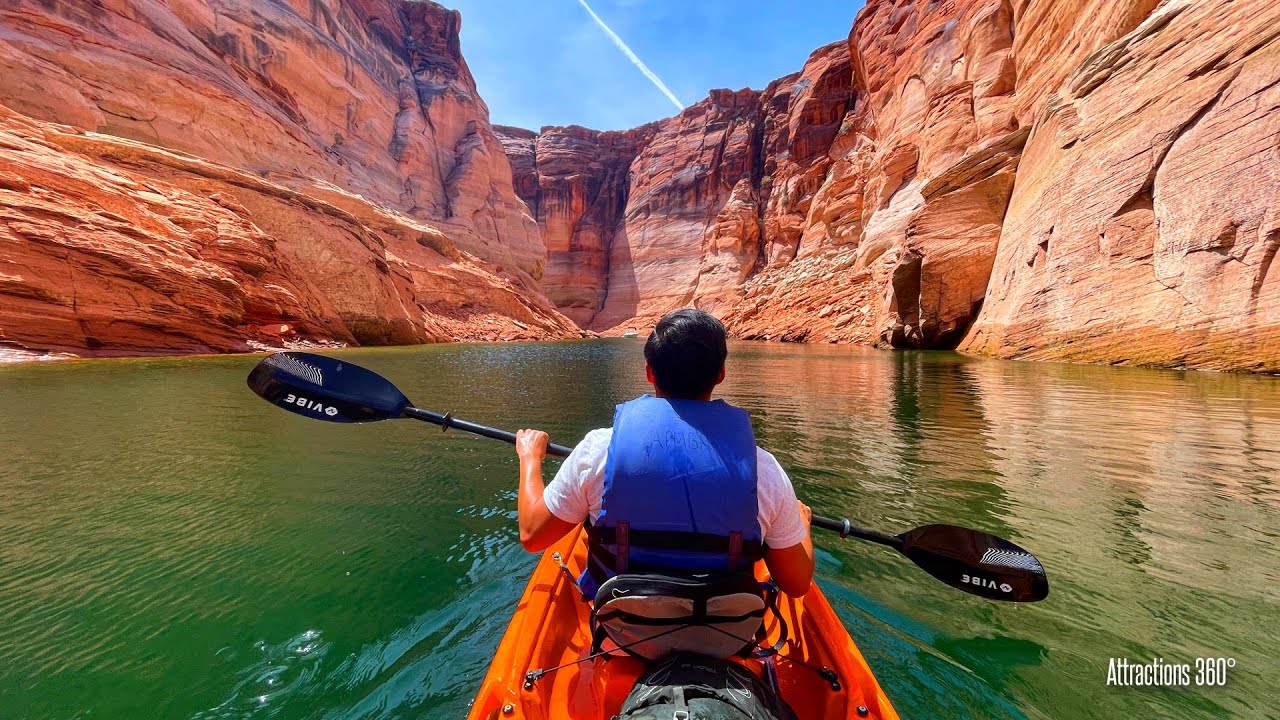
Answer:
(539, 528)
(792, 567)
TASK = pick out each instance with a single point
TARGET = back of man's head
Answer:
(686, 352)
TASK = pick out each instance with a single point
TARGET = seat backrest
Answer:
(653, 616)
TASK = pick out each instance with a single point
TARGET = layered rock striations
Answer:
(114, 247)
(1091, 181)
(576, 183)
(195, 176)
(372, 96)
(899, 235)
(674, 213)
(676, 242)
(1145, 222)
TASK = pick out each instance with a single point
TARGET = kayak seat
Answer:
(652, 616)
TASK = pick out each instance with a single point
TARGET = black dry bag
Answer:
(695, 687)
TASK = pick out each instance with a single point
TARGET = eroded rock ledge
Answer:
(114, 247)
(255, 174)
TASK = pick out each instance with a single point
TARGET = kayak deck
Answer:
(550, 627)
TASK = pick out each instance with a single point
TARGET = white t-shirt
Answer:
(578, 489)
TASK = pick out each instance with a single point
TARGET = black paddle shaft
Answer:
(447, 421)
(848, 529)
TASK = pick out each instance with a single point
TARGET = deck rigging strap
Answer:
(826, 673)
(533, 676)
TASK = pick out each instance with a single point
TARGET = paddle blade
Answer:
(977, 563)
(324, 388)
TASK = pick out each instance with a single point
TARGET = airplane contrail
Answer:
(635, 59)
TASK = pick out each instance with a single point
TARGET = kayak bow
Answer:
(550, 629)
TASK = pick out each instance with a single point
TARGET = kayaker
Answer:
(677, 483)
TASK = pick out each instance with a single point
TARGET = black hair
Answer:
(686, 351)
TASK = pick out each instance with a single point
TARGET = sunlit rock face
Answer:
(1088, 180)
(114, 247)
(643, 221)
(1144, 226)
(673, 213)
(234, 174)
(902, 213)
(681, 181)
(372, 96)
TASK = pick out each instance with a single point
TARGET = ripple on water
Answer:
(439, 658)
(267, 675)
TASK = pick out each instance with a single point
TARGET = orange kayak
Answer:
(550, 628)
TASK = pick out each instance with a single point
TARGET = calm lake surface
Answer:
(173, 547)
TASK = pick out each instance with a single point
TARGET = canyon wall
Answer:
(254, 173)
(1091, 181)
(1146, 217)
(576, 183)
(372, 96)
(114, 247)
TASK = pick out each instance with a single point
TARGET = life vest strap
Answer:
(695, 618)
(601, 566)
(735, 548)
(678, 540)
(623, 535)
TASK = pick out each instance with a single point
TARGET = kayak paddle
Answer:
(970, 560)
(325, 388)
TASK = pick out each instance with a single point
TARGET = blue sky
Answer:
(546, 62)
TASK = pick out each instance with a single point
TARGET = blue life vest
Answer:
(679, 492)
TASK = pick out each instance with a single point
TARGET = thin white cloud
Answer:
(635, 60)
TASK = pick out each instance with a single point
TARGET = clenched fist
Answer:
(532, 445)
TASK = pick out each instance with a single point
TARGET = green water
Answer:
(173, 547)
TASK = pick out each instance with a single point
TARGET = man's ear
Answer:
(648, 374)
(720, 377)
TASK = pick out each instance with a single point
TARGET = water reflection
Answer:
(167, 540)
(1150, 495)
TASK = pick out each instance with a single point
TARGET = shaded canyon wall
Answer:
(253, 173)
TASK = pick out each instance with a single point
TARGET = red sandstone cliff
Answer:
(642, 221)
(277, 172)
(1087, 180)
(114, 247)
(1091, 180)
(1145, 222)
(372, 96)
(576, 183)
